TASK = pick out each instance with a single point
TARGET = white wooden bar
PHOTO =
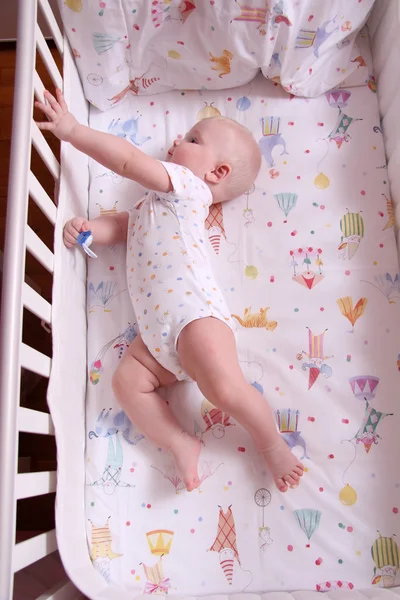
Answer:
(45, 151)
(42, 199)
(35, 484)
(28, 552)
(34, 421)
(35, 361)
(38, 249)
(38, 87)
(35, 303)
(53, 25)
(13, 277)
(48, 59)
(65, 590)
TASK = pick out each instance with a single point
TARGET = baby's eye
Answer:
(193, 140)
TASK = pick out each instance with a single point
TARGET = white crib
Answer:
(384, 25)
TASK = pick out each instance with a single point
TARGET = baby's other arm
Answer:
(105, 230)
(116, 154)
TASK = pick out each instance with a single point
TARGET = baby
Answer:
(186, 330)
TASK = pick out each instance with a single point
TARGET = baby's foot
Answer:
(286, 469)
(186, 452)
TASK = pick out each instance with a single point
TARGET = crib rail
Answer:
(17, 295)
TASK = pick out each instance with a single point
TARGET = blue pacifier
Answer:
(85, 239)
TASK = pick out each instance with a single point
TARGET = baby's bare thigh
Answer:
(139, 351)
(207, 349)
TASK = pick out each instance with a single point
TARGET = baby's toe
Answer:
(299, 471)
(292, 479)
(281, 485)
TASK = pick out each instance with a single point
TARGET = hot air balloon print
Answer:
(338, 98)
(286, 201)
(339, 133)
(352, 227)
(388, 285)
(121, 342)
(352, 313)
(215, 226)
(160, 541)
(364, 386)
(305, 255)
(316, 357)
(308, 520)
(103, 42)
(386, 556)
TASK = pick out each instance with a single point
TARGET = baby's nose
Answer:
(176, 143)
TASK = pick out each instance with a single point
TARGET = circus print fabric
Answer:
(137, 47)
(306, 260)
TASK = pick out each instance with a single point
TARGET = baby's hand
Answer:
(60, 121)
(73, 228)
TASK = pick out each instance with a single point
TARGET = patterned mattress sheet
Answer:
(307, 261)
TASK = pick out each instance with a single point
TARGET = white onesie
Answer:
(169, 272)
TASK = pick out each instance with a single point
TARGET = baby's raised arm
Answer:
(116, 154)
(105, 230)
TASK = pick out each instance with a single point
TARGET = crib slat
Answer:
(34, 421)
(45, 151)
(35, 361)
(65, 590)
(42, 199)
(38, 87)
(35, 484)
(52, 24)
(35, 303)
(38, 249)
(48, 59)
(28, 552)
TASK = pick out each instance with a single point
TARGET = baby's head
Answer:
(222, 153)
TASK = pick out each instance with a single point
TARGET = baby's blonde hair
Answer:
(244, 157)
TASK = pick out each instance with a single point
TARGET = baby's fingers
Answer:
(69, 240)
(61, 99)
(47, 110)
(52, 101)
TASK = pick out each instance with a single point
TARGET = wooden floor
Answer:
(36, 453)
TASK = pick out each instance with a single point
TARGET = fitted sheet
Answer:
(307, 261)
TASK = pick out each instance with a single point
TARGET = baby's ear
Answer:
(219, 174)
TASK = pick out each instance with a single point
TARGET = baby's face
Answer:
(200, 149)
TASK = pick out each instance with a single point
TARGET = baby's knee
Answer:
(118, 384)
(131, 378)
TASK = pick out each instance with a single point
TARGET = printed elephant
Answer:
(293, 439)
(267, 143)
(109, 424)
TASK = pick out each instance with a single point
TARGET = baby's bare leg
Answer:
(207, 352)
(134, 383)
